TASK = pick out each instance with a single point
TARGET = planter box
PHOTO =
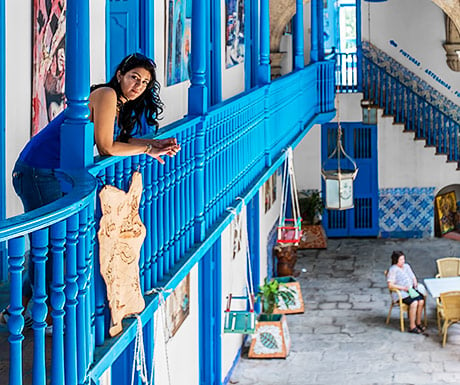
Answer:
(272, 339)
(313, 237)
(297, 306)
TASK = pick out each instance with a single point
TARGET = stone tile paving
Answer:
(342, 337)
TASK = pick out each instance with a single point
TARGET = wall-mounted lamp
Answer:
(369, 112)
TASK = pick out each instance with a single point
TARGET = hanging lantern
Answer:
(339, 181)
(369, 112)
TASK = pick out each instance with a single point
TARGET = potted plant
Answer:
(271, 339)
(311, 210)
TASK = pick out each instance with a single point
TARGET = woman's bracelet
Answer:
(148, 148)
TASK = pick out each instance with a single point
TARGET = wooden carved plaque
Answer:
(121, 235)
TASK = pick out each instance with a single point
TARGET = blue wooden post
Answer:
(77, 132)
(314, 54)
(57, 235)
(254, 243)
(264, 67)
(198, 92)
(39, 249)
(16, 248)
(210, 338)
(71, 291)
(298, 36)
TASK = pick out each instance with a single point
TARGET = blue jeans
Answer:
(36, 187)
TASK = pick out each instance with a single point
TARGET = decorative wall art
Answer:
(48, 77)
(179, 40)
(446, 206)
(234, 33)
(269, 191)
(178, 306)
(120, 236)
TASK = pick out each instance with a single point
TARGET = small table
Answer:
(436, 286)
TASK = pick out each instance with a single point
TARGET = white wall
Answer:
(175, 97)
(418, 28)
(307, 160)
(267, 220)
(18, 89)
(233, 282)
(402, 161)
(182, 353)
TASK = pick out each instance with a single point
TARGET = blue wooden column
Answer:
(264, 65)
(210, 294)
(198, 91)
(77, 134)
(314, 54)
(299, 60)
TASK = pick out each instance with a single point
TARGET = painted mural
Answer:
(234, 33)
(178, 44)
(48, 80)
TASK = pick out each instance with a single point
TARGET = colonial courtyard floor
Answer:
(342, 337)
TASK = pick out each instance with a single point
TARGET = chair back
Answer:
(450, 301)
(448, 267)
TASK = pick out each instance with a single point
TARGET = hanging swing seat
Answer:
(240, 321)
(290, 230)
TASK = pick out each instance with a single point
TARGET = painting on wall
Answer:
(269, 192)
(178, 306)
(178, 43)
(48, 78)
(446, 205)
(234, 33)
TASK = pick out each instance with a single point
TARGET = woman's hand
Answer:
(165, 149)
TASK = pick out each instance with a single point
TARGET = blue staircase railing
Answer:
(423, 110)
(224, 154)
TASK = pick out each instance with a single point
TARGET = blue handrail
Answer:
(225, 153)
(412, 102)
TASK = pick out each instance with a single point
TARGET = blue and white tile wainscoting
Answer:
(406, 212)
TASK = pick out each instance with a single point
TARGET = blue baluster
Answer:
(89, 272)
(39, 249)
(16, 250)
(147, 220)
(166, 218)
(57, 235)
(81, 308)
(153, 231)
(161, 229)
(71, 291)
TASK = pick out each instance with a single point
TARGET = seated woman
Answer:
(400, 276)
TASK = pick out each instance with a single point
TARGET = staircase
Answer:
(412, 102)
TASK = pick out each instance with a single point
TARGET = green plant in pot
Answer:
(272, 338)
(271, 294)
(311, 207)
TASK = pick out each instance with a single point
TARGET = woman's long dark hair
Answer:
(147, 104)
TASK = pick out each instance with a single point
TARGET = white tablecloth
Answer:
(437, 286)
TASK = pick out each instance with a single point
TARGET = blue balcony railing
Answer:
(224, 154)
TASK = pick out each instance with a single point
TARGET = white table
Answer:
(436, 286)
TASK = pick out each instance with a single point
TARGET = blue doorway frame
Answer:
(360, 142)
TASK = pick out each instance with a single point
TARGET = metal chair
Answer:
(449, 311)
(448, 267)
